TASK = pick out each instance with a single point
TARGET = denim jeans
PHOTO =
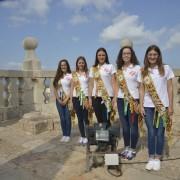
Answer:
(155, 135)
(100, 110)
(65, 118)
(130, 129)
(82, 115)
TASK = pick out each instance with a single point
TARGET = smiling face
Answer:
(64, 67)
(81, 64)
(153, 57)
(126, 55)
(101, 56)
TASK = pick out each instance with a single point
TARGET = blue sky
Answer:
(69, 28)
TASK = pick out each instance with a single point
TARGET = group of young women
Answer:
(136, 92)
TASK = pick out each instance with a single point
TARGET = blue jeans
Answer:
(130, 130)
(82, 115)
(155, 135)
(65, 119)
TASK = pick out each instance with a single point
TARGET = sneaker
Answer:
(80, 141)
(157, 165)
(131, 154)
(67, 139)
(150, 165)
(124, 153)
(63, 139)
(85, 140)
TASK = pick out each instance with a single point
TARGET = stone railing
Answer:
(26, 91)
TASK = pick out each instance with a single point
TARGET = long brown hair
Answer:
(159, 61)
(59, 73)
(120, 61)
(96, 59)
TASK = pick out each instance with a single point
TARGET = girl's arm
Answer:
(170, 96)
(115, 89)
(90, 88)
(56, 95)
(141, 97)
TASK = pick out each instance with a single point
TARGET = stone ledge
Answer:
(35, 123)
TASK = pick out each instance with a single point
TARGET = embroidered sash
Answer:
(101, 90)
(63, 95)
(82, 98)
(133, 104)
(159, 107)
(79, 92)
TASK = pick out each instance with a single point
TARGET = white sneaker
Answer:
(85, 140)
(150, 165)
(67, 139)
(63, 139)
(80, 141)
(157, 165)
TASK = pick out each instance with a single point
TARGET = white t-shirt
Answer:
(160, 83)
(66, 84)
(132, 75)
(83, 79)
(106, 72)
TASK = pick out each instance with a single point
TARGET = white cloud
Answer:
(34, 7)
(18, 20)
(130, 26)
(75, 39)
(78, 19)
(24, 9)
(98, 4)
(9, 4)
(173, 40)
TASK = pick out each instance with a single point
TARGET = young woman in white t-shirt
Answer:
(79, 94)
(161, 75)
(62, 85)
(107, 74)
(128, 64)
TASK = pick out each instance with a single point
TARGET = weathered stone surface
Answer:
(44, 157)
(35, 123)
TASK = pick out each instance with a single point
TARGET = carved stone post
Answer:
(31, 62)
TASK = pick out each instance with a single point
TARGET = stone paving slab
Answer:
(44, 157)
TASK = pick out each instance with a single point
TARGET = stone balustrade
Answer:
(26, 91)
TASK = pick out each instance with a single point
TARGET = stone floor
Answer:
(44, 157)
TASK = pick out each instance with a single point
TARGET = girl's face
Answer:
(64, 67)
(152, 57)
(101, 56)
(81, 64)
(126, 55)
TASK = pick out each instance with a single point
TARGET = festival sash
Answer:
(161, 110)
(63, 95)
(128, 99)
(100, 89)
(79, 92)
(82, 98)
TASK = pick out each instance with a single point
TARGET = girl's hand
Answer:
(170, 111)
(90, 102)
(142, 111)
(114, 102)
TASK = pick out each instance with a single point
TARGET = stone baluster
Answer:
(20, 90)
(7, 95)
(47, 90)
